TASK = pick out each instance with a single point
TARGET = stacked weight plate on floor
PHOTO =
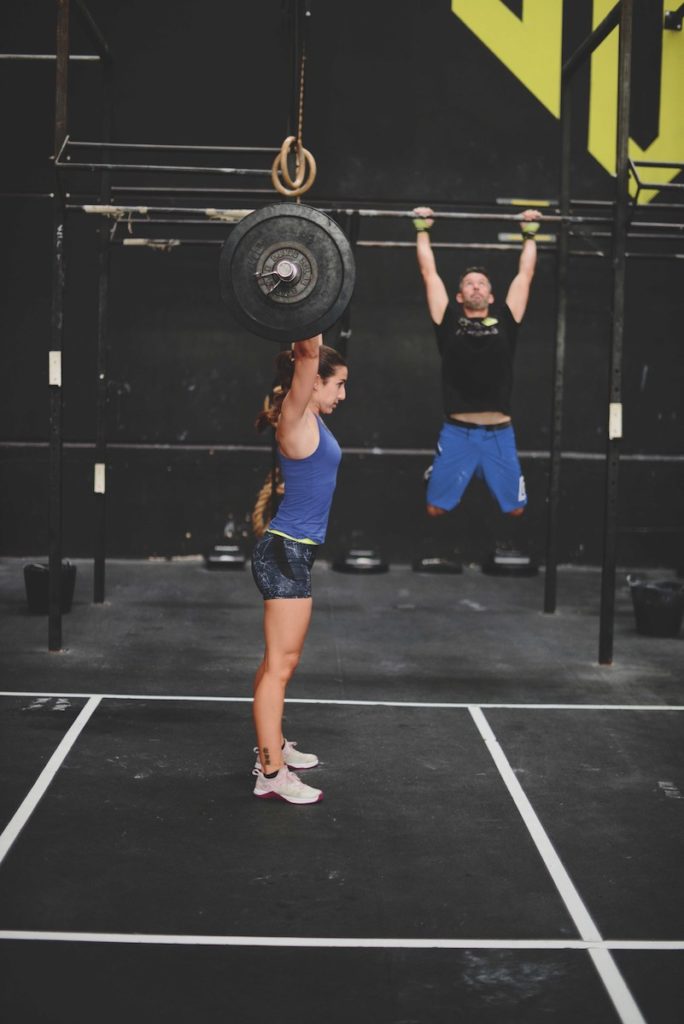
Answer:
(507, 561)
(287, 272)
(367, 560)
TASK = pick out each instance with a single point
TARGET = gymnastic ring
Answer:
(308, 163)
(300, 164)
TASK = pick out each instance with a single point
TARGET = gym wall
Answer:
(405, 104)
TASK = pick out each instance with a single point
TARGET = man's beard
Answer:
(476, 304)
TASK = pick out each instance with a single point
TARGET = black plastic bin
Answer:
(37, 582)
(658, 605)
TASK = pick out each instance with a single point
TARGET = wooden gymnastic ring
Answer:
(308, 163)
(300, 163)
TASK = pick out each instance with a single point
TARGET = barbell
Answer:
(287, 272)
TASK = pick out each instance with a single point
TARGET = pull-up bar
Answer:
(49, 56)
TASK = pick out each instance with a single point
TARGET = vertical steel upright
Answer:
(562, 260)
(619, 263)
(569, 68)
(100, 466)
(56, 339)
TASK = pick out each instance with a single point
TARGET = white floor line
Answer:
(643, 944)
(494, 705)
(614, 983)
(45, 778)
(334, 942)
(616, 986)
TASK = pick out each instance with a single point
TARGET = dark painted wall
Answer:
(403, 104)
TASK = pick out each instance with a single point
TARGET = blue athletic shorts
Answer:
(463, 452)
(282, 567)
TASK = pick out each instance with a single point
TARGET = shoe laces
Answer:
(293, 777)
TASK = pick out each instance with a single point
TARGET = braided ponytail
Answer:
(268, 417)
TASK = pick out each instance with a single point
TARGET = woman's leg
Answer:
(286, 621)
(257, 679)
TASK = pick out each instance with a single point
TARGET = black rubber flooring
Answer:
(147, 884)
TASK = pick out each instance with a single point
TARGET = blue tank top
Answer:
(309, 487)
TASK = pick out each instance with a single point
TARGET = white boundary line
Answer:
(469, 706)
(48, 773)
(568, 893)
(335, 942)
(607, 969)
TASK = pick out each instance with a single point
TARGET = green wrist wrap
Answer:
(529, 228)
(420, 224)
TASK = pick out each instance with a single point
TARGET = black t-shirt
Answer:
(477, 360)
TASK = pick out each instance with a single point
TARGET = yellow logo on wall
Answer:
(540, 32)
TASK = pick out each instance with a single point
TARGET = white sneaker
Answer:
(291, 757)
(286, 786)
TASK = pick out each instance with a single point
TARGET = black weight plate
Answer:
(326, 256)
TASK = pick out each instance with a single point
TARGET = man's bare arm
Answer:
(519, 290)
(435, 290)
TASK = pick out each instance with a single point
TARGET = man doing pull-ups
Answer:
(477, 350)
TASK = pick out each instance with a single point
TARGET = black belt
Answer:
(479, 426)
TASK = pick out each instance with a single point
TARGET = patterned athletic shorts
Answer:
(282, 567)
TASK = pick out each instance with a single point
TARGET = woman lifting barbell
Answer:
(312, 382)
